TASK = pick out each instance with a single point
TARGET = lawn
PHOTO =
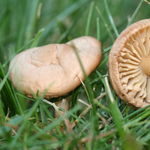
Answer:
(97, 118)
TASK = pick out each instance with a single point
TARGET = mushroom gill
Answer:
(133, 66)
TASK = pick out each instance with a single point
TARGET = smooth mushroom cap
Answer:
(54, 68)
(129, 62)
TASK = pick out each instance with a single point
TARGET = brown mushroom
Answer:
(54, 69)
(129, 62)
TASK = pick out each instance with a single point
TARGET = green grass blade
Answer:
(119, 122)
(7, 91)
(105, 24)
(2, 83)
(116, 114)
(111, 18)
(75, 6)
(135, 13)
(87, 29)
(31, 18)
(98, 28)
(2, 113)
(25, 118)
(36, 39)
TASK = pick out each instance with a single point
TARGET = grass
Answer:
(102, 120)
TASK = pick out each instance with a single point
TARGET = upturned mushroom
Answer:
(54, 69)
(129, 62)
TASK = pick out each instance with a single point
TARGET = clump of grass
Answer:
(102, 120)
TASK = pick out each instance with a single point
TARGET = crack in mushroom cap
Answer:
(128, 64)
(54, 68)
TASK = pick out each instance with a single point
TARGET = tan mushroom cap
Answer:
(129, 64)
(54, 68)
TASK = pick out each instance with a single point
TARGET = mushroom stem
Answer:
(64, 104)
(148, 89)
(145, 65)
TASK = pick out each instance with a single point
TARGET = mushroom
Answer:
(54, 69)
(129, 62)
